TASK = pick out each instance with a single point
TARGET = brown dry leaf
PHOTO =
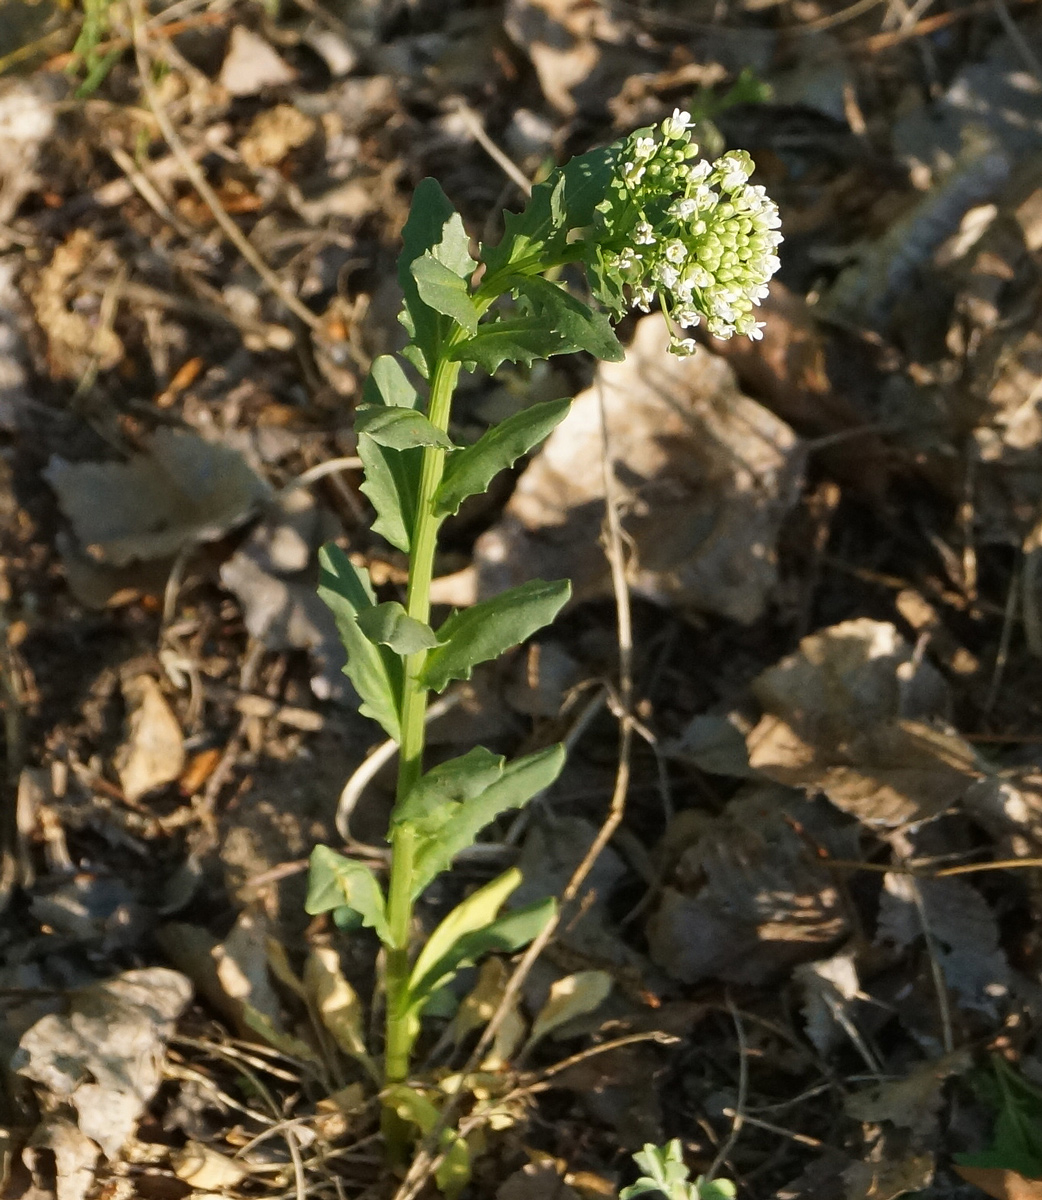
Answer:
(336, 1001)
(830, 990)
(913, 1102)
(205, 1169)
(105, 1056)
(1001, 1183)
(749, 899)
(570, 997)
(153, 753)
(886, 1180)
(251, 65)
(846, 715)
(705, 476)
(964, 934)
(559, 38)
(74, 340)
(274, 133)
(536, 1181)
(184, 490)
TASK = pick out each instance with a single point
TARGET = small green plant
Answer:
(1016, 1140)
(665, 1171)
(90, 56)
(646, 219)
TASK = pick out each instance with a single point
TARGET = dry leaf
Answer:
(153, 753)
(913, 1102)
(336, 1001)
(963, 930)
(476, 1008)
(104, 1057)
(75, 1157)
(830, 989)
(274, 133)
(1001, 1183)
(571, 997)
(705, 476)
(205, 1169)
(182, 491)
(536, 1181)
(26, 120)
(749, 898)
(251, 65)
(886, 1180)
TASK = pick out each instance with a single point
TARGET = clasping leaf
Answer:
(390, 625)
(338, 882)
(486, 630)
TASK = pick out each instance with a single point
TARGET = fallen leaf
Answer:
(105, 1056)
(1001, 1183)
(704, 476)
(182, 491)
(336, 1001)
(830, 989)
(886, 1180)
(749, 899)
(570, 997)
(205, 1169)
(251, 65)
(75, 1156)
(274, 133)
(536, 1181)
(911, 1103)
(153, 753)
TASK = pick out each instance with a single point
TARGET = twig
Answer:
(507, 165)
(936, 973)
(738, 1113)
(209, 196)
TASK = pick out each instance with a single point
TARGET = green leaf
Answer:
(450, 829)
(485, 631)
(454, 1172)
(444, 291)
(510, 339)
(450, 784)
(471, 929)
(434, 227)
(392, 485)
(555, 323)
(565, 201)
(398, 428)
(390, 625)
(468, 472)
(388, 384)
(391, 476)
(375, 671)
(335, 881)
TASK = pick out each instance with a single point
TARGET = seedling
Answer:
(647, 220)
(666, 1174)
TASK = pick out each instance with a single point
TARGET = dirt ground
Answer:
(813, 949)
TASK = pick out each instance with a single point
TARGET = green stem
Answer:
(399, 1033)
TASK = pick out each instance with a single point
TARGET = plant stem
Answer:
(399, 1032)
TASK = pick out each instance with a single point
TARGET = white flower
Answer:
(644, 234)
(684, 347)
(733, 172)
(756, 333)
(667, 276)
(683, 209)
(701, 170)
(644, 149)
(674, 127)
(676, 251)
(633, 173)
(687, 317)
(643, 297)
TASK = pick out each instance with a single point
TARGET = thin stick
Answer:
(209, 196)
(738, 1113)
(507, 165)
(937, 975)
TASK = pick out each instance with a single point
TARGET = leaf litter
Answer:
(817, 750)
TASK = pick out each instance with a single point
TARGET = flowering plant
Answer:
(645, 219)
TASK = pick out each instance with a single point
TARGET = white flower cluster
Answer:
(695, 233)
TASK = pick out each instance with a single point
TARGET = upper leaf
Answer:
(565, 201)
(435, 228)
(450, 784)
(487, 630)
(555, 323)
(398, 428)
(375, 671)
(390, 625)
(335, 882)
(441, 288)
(388, 384)
(477, 911)
(468, 472)
(392, 480)
(450, 829)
